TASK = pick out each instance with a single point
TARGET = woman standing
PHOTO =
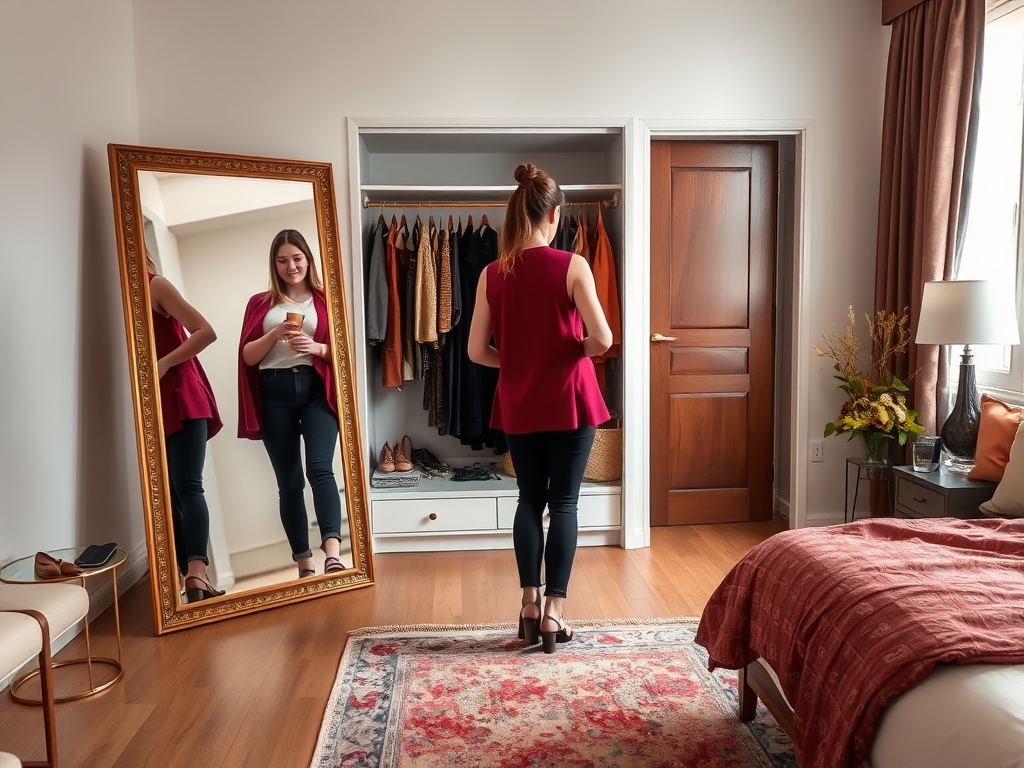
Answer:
(535, 300)
(190, 418)
(286, 395)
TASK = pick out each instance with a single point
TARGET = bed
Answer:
(883, 643)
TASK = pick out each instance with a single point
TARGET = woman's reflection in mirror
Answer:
(190, 418)
(286, 394)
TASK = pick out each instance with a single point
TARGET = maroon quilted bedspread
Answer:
(850, 616)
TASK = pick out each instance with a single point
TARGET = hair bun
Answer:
(527, 172)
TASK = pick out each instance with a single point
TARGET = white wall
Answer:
(69, 473)
(279, 79)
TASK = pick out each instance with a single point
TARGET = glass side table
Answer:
(23, 572)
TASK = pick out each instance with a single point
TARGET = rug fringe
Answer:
(395, 629)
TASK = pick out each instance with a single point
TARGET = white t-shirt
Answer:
(281, 355)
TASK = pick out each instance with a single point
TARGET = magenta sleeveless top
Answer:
(185, 392)
(545, 383)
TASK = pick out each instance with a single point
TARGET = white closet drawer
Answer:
(426, 515)
(507, 512)
(598, 511)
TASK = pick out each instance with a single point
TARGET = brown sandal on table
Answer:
(562, 635)
(204, 591)
(49, 567)
(333, 565)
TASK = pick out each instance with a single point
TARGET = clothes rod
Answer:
(367, 203)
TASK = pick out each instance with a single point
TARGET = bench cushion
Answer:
(63, 605)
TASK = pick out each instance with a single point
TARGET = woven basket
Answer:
(605, 462)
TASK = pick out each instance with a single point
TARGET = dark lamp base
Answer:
(960, 432)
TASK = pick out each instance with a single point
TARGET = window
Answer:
(993, 244)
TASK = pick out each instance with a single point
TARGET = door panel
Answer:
(694, 360)
(712, 360)
(709, 273)
(704, 429)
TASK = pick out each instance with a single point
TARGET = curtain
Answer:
(928, 135)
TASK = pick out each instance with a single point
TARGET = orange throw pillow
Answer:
(996, 431)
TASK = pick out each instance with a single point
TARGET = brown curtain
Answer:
(931, 86)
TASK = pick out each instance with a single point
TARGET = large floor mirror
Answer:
(242, 251)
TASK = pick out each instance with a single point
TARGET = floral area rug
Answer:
(622, 694)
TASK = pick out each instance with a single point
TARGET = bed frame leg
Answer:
(748, 699)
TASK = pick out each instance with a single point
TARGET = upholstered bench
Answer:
(31, 616)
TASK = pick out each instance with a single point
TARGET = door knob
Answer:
(659, 337)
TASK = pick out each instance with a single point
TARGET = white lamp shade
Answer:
(967, 312)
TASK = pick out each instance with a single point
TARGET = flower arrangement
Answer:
(876, 409)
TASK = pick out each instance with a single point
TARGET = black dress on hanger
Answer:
(477, 383)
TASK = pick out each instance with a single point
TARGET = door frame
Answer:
(637, 281)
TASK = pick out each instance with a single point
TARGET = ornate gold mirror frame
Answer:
(169, 612)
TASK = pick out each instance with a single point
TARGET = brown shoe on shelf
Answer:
(407, 447)
(402, 463)
(386, 463)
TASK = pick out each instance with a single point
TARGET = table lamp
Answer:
(965, 312)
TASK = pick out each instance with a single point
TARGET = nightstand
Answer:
(939, 494)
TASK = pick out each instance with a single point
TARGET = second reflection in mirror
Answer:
(210, 257)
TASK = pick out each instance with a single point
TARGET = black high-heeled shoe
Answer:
(561, 635)
(205, 591)
(529, 628)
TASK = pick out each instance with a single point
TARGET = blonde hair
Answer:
(277, 294)
(536, 194)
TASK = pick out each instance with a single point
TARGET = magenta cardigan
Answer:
(249, 411)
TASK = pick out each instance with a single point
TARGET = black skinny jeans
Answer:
(549, 471)
(294, 407)
(190, 517)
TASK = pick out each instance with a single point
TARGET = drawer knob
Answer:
(433, 515)
(920, 499)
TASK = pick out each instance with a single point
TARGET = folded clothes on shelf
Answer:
(394, 479)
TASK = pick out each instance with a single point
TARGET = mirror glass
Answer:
(209, 234)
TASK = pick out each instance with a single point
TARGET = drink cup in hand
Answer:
(297, 318)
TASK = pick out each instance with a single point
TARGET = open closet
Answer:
(464, 176)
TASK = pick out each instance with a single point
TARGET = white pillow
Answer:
(1008, 500)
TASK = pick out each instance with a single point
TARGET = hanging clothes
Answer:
(581, 243)
(391, 375)
(477, 383)
(444, 286)
(453, 267)
(607, 285)
(377, 287)
(426, 286)
(414, 260)
(453, 349)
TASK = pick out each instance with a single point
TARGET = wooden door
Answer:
(712, 330)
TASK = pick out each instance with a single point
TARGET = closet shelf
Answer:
(375, 194)
(443, 487)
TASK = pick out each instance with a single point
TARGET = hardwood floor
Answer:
(251, 691)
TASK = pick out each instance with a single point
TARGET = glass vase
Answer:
(876, 448)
